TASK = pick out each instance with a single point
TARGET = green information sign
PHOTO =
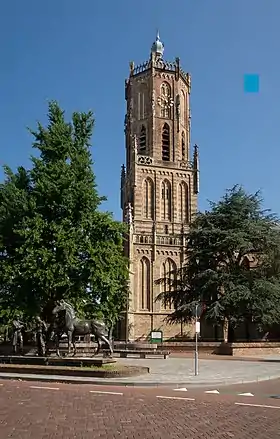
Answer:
(156, 336)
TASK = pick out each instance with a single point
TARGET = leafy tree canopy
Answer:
(233, 264)
(54, 241)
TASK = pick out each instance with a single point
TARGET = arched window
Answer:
(166, 143)
(142, 140)
(165, 101)
(148, 198)
(169, 274)
(145, 284)
(166, 197)
(183, 203)
(183, 146)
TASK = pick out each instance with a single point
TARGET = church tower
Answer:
(159, 186)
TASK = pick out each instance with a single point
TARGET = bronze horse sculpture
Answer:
(66, 322)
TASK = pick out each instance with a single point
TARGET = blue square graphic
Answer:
(251, 83)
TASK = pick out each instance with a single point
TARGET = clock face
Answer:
(165, 101)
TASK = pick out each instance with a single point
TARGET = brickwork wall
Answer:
(249, 349)
(144, 323)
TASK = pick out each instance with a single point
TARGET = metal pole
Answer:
(196, 344)
(126, 317)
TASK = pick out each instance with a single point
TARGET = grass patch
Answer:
(107, 367)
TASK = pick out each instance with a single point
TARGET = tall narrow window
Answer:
(183, 203)
(166, 200)
(142, 140)
(183, 147)
(183, 108)
(168, 273)
(166, 143)
(141, 104)
(144, 284)
(165, 100)
(148, 198)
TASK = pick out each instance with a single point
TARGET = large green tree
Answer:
(14, 206)
(55, 242)
(232, 264)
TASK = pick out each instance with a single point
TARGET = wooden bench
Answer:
(141, 353)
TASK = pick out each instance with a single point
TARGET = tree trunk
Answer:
(231, 334)
(247, 329)
(226, 330)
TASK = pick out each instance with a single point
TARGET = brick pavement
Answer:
(69, 411)
(181, 370)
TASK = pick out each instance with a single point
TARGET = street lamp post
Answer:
(197, 314)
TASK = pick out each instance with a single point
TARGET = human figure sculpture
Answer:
(41, 331)
(18, 326)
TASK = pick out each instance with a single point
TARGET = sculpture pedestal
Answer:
(56, 361)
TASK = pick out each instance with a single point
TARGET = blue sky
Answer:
(78, 53)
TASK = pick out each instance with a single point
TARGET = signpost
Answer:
(197, 314)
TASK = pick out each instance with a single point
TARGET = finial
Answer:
(158, 47)
(131, 67)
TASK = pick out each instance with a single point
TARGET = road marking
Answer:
(216, 392)
(258, 405)
(245, 394)
(182, 389)
(43, 387)
(176, 397)
(105, 393)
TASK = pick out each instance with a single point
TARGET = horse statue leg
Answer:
(74, 344)
(98, 346)
(70, 340)
(107, 341)
(57, 339)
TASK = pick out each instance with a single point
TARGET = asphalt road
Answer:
(37, 410)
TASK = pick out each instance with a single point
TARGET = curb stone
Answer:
(106, 382)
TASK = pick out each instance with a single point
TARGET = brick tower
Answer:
(159, 186)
